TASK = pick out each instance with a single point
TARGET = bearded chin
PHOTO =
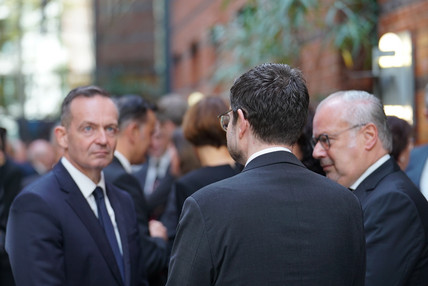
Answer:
(236, 154)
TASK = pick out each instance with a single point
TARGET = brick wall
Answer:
(322, 66)
(191, 21)
(192, 51)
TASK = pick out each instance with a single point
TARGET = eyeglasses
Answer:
(324, 139)
(224, 119)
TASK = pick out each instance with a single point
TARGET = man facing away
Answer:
(353, 142)
(276, 223)
(71, 227)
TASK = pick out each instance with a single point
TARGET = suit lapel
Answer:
(370, 183)
(82, 209)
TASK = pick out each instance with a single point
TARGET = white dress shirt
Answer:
(423, 184)
(87, 187)
(370, 170)
(265, 151)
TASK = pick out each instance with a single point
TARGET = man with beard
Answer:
(275, 223)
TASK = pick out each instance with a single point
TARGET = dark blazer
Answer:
(10, 185)
(195, 180)
(275, 223)
(418, 157)
(155, 250)
(157, 200)
(396, 225)
(187, 185)
(54, 238)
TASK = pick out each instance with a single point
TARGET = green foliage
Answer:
(352, 25)
(275, 31)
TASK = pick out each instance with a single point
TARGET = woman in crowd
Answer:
(402, 140)
(202, 128)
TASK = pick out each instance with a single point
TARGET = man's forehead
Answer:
(328, 122)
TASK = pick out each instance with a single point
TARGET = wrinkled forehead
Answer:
(97, 108)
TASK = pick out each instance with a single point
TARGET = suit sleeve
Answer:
(191, 262)
(34, 243)
(394, 239)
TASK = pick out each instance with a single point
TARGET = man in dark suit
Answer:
(276, 223)
(155, 176)
(136, 125)
(353, 143)
(72, 227)
(10, 185)
(417, 170)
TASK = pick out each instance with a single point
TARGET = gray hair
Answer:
(172, 107)
(362, 108)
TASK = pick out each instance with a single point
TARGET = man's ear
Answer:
(370, 134)
(243, 124)
(132, 131)
(61, 136)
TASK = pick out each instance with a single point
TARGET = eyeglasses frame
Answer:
(327, 137)
(222, 117)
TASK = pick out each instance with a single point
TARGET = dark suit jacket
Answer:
(157, 200)
(155, 250)
(418, 157)
(187, 185)
(396, 225)
(54, 238)
(10, 185)
(275, 223)
(196, 179)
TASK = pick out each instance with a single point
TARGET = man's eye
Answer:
(111, 130)
(87, 129)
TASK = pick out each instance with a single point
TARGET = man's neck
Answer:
(214, 156)
(267, 148)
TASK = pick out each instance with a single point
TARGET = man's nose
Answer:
(319, 151)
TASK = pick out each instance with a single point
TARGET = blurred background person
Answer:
(42, 157)
(402, 140)
(136, 125)
(304, 147)
(156, 170)
(201, 127)
(184, 160)
(417, 169)
(10, 185)
(17, 151)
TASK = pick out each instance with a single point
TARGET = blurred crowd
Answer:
(175, 151)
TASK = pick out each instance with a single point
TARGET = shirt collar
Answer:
(125, 162)
(265, 151)
(82, 181)
(370, 170)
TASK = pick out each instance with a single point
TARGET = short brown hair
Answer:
(201, 125)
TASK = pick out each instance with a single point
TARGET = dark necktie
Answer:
(105, 221)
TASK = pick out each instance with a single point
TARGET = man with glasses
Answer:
(353, 142)
(276, 222)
